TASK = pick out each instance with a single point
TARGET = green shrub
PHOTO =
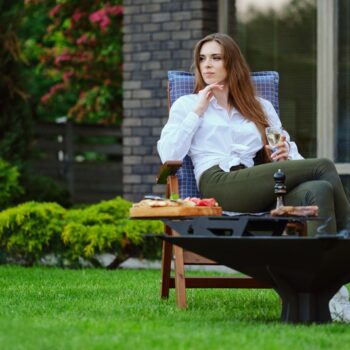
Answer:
(10, 189)
(105, 227)
(30, 230)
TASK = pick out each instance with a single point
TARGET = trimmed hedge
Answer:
(32, 230)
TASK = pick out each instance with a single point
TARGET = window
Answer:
(282, 36)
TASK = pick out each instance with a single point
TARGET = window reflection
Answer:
(281, 36)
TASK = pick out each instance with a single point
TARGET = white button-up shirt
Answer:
(215, 138)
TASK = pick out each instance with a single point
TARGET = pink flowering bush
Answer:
(82, 55)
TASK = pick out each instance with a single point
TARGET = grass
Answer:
(46, 308)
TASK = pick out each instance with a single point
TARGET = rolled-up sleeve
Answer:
(176, 136)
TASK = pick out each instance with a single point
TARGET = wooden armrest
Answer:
(168, 168)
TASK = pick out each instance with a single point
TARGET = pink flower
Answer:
(56, 87)
(53, 90)
(105, 23)
(66, 76)
(83, 39)
(77, 15)
(62, 58)
(101, 18)
(97, 16)
(55, 10)
(45, 99)
(115, 10)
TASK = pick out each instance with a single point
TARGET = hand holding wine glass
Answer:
(277, 145)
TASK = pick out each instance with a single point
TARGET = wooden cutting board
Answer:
(160, 212)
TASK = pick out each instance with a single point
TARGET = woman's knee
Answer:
(320, 188)
(327, 164)
(313, 192)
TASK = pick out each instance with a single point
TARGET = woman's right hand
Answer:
(204, 98)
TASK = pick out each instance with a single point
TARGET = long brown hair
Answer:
(242, 94)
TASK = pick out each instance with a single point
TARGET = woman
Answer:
(222, 128)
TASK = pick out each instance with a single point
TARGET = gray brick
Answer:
(127, 169)
(132, 28)
(151, 8)
(181, 16)
(127, 94)
(170, 45)
(151, 27)
(129, 10)
(131, 66)
(132, 179)
(152, 65)
(142, 151)
(142, 56)
(173, 6)
(131, 103)
(131, 160)
(173, 26)
(160, 17)
(127, 151)
(141, 190)
(197, 33)
(159, 74)
(156, 131)
(150, 159)
(194, 24)
(142, 169)
(158, 189)
(161, 36)
(152, 84)
(126, 75)
(151, 179)
(143, 75)
(150, 141)
(197, 14)
(181, 35)
(133, 2)
(150, 46)
(188, 44)
(141, 37)
(132, 141)
(150, 103)
(143, 18)
(132, 122)
(142, 94)
(154, 121)
(193, 4)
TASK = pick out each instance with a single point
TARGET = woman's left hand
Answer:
(281, 150)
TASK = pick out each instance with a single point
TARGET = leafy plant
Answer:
(105, 227)
(82, 55)
(31, 229)
(10, 189)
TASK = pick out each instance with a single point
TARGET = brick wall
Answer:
(159, 35)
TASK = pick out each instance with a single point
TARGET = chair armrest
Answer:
(167, 169)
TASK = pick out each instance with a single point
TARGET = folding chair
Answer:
(179, 178)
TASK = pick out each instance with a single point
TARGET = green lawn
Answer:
(46, 308)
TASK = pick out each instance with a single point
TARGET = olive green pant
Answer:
(308, 181)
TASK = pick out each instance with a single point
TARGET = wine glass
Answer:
(274, 135)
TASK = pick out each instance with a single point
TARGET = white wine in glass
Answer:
(274, 135)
